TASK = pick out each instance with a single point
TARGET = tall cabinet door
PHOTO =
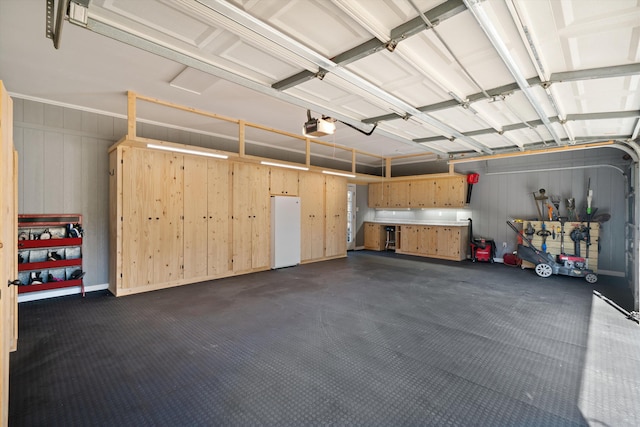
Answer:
(219, 218)
(138, 217)
(312, 216)
(8, 247)
(152, 211)
(168, 183)
(336, 216)
(251, 220)
(195, 217)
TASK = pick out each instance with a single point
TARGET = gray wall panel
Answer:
(72, 174)
(53, 167)
(63, 165)
(53, 116)
(72, 119)
(32, 171)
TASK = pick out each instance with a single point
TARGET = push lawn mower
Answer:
(546, 264)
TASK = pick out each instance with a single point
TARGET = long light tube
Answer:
(282, 165)
(348, 175)
(186, 151)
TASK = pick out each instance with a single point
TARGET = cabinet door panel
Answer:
(283, 181)
(409, 239)
(378, 195)
(195, 217)
(168, 182)
(336, 216)
(261, 218)
(251, 217)
(219, 219)
(138, 218)
(242, 214)
(398, 194)
(312, 216)
(422, 193)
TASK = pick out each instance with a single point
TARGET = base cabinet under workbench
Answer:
(436, 241)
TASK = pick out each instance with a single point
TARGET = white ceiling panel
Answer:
(319, 25)
(590, 96)
(269, 61)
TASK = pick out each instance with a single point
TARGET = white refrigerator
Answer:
(285, 231)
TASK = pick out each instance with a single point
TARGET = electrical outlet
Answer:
(504, 244)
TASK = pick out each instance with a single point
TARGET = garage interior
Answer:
(397, 97)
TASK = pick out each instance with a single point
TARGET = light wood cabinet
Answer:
(335, 216)
(428, 243)
(251, 220)
(422, 193)
(374, 236)
(378, 195)
(398, 192)
(408, 239)
(196, 217)
(440, 192)
(206, 218)
(283, 181)
(152, 217)
(446, 242)
(219, 229)
(312, 216)
(450, 192)
(179, 218)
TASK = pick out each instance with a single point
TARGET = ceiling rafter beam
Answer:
(233, 14)
(497, 91)
(403, 31)
(483, 20)
(536, 123)
(436, 15)
(198, 64)
(596, 73)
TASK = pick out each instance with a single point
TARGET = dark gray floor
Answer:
(372, 339)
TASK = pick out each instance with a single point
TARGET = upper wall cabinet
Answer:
(440, 192)
(283, 182)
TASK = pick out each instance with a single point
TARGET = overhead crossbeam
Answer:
(403, 31)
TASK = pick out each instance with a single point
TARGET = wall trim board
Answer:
(35, 296)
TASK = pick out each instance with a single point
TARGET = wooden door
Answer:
(219, 218)
(138, 217)
(428, 240)
(378, 195)
(335, 216)
(422, 193)
(8, 247)
(283, 182)
(242, 212)
(195, 217)
(168, 184)
(399, 194)
(251, 217)
(261, 218)
(409, 239)
(312, 216)
(372, 236)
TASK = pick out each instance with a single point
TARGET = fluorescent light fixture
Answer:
(348, 175)
(186, 151)
(282, 165)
